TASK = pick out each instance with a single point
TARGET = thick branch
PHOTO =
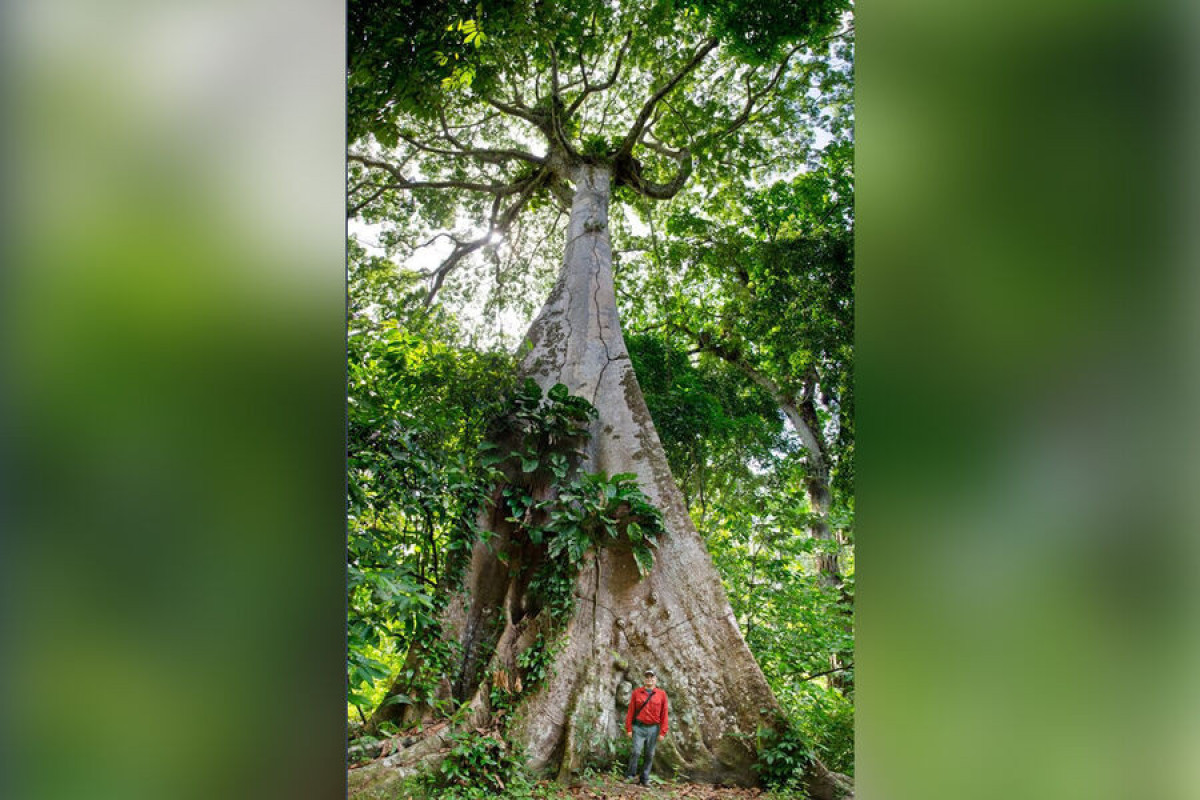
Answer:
(516, 110)
(589, 88)
(402, 182)
(491, 156)
(635, 133)
(658, 147)
(632, 175)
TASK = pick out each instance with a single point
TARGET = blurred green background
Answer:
(1027, 299)
(172, 311)
(173, 551)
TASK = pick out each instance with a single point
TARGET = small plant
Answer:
(477, 762)
(553, 587)
(783, 758)
(536, 661)
(598, 510)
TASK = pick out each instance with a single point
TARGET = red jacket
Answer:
(655, 712)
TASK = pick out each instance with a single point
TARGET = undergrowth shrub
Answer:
(479, 766)
(783, 758)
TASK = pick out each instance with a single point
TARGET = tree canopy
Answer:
(465, 120)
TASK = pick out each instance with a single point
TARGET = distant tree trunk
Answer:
(802, 416)
(676, 620)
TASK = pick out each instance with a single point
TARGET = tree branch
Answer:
(753, 97)
(804, 678)
(516, 110)
(786, 402)
(498, 224)
(635, 132)
(402, 182)
(599, 87)
(658, 147)
(491, 156)
(357, 207)
(659, 191)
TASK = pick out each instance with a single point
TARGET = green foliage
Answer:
(596, 510)
(536, 662)
(538, 438)
(478, 766)
(414, 482)
(758, 29)
(537, 443)
(825, 717)
(553, 589)
(715, 426)
(783, 758)
(405, 56)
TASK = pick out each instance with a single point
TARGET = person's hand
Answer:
(661, 735)
(629, 734)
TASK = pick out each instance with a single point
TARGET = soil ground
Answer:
(607, 787)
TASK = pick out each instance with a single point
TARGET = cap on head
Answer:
(649, 673)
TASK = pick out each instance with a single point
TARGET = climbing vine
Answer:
(537, 448)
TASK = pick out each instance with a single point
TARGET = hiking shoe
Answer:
(644, 782)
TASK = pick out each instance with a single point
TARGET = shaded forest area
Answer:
(687, 170)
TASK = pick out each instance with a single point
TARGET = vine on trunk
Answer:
(554, 510)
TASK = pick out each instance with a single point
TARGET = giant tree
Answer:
(472, 121)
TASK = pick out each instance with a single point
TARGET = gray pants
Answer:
(645, 737)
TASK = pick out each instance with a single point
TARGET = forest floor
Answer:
(607, 787)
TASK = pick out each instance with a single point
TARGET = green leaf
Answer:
(644, 559)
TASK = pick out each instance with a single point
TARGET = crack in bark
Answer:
(596, 603)
(565, 312)
(692, 618)
(595, 614)
(599, 322)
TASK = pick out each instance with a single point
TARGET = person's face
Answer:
(651, 681)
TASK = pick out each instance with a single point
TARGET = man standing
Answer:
(646, 722)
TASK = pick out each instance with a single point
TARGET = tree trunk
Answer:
(816, 486)
(676, 620)
(829, 568)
